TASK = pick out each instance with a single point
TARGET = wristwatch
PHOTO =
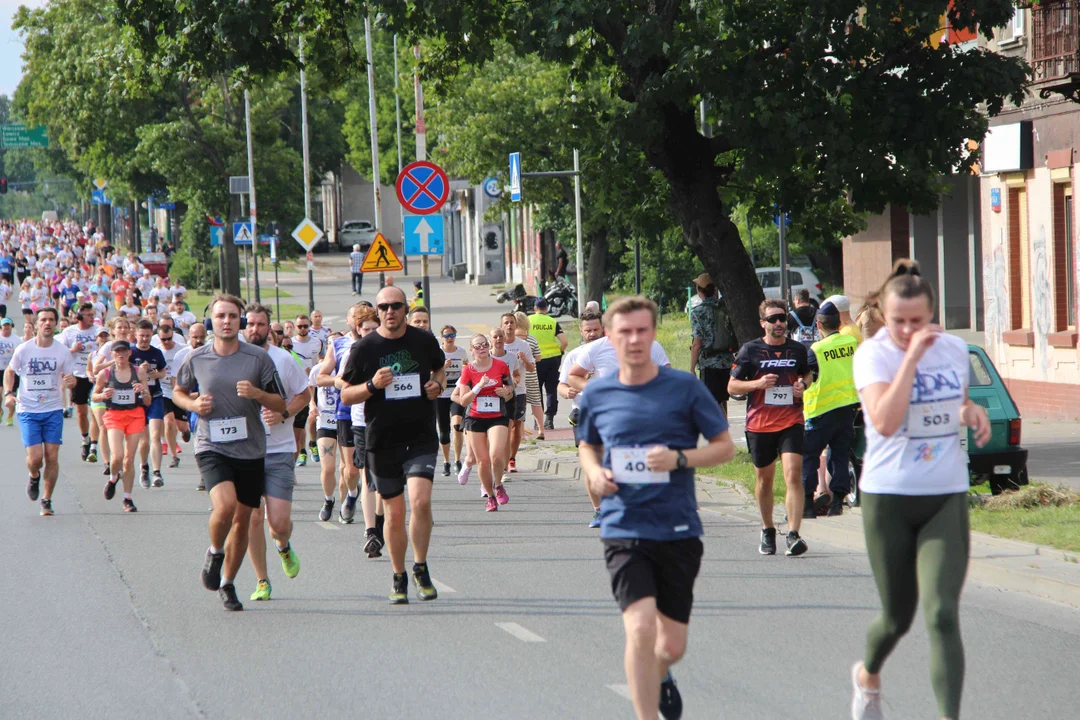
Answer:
(371, 387)
(285, 415)
(680, 460)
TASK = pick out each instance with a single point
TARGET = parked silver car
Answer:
(356, 232)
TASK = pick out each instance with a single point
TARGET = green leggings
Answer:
(919, 542)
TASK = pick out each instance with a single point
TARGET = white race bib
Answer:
(328, 420)
(934, 419)
(488, 404)
(780, 395)
(454, 366)
(629, 467)
(123, 397)
(228, 430)
(40, 383)
(403, 387)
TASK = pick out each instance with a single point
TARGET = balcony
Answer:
(1055, 48)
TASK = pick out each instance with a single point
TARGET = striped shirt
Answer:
(355, 260)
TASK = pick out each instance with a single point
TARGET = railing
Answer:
(1055, 33)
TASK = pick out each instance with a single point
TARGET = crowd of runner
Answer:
(385, 403)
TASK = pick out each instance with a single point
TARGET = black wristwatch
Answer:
(285, 415)
(680, 460)
(371, 387)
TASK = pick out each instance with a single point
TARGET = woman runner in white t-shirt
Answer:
(912, 380)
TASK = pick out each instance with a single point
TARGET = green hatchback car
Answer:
(1002, 461)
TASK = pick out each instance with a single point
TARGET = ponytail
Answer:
(906, 282)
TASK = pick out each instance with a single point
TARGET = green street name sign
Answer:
(18, 136)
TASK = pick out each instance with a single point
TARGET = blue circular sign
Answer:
(491, 187)
(422, 187)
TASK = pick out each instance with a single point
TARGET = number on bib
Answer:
(41, 382)
(403, 387)
(228, 430)
(630, 468)
(123, 397)
(780, 395)
(934, 419)
(328, 421)
(488, 404)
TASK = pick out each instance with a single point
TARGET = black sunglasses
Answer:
(773, 319)
(383, 307)
(302, 327)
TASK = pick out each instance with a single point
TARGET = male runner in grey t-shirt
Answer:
(236, 380)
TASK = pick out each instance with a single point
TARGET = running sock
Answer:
(380, 520)
(354, 493)
(328, 498)
(127, 496)
(216, 551)
(281, 549)
(86, 439)
(225, 581)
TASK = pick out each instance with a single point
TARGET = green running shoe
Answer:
(262, 591)
(302, 460)
(399, 595)
(425, 590)
(290, 563)
(314, 454)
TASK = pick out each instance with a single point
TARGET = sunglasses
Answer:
(480, 346)
(449, 336)
(279, 332)
(302, 327)
(165, 328)
(383, 307)
(773, 319)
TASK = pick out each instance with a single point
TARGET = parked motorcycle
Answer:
(560, 295)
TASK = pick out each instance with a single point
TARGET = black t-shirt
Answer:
(778, 409)
(153, 357)
(412, 415)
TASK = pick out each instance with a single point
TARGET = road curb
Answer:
(1007, 564)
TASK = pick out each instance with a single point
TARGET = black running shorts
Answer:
(300, 419)
(80, 394)
(391, 465)
(482, 425)
(344, 433)
(766, 447)
(247, 476)
(665, 570)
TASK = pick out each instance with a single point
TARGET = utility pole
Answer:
(580, 254)
(307, 170)
(421, 154)
(251, 184)
(397, 112)
(376, 182)
(785, 284)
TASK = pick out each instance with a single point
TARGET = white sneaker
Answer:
(865, 703)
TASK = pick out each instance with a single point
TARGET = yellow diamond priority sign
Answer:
(100, 183)
(307, 234)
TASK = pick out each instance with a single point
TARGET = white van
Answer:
(49, 216)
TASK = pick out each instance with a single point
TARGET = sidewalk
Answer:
(1007, 564)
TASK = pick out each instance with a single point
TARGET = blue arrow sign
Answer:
(424, 235)
(241, 233)
(217, 235)
(515, 177)
(97, 197)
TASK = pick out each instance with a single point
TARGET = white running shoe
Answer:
(865, 703)
(463, 474)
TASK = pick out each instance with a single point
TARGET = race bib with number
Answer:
(41, 383)
(124, 397)
(228, 430)
(780, 395)
(454, 367)
(934, 419)
(327, 420)
(629, 467)
(488, 404)
(403, 387)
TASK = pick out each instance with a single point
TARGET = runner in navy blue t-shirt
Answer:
(644, 473)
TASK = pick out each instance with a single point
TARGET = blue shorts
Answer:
(40, 428)
(156, 409)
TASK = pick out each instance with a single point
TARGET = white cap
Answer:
(840, 301)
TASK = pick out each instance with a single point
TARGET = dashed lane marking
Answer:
(520, 633)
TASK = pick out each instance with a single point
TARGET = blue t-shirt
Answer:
(70, 294)
(7, 264)
(672, 409)
(156, 360)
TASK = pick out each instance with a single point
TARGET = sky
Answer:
(10, 45)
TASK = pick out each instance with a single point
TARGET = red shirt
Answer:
(119, 285)
(775, 409)
(471, 377)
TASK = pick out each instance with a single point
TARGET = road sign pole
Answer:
(577, 220)
(421, 154)
(376, 182)
(307, 171)
(251, 182)
(397, 113)
(785, 286)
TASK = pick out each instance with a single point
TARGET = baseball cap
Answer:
(121, 345)
(827, 308)
(540, 302)
(840, 302)
(703, 280)
(7, 321)
(102, 331)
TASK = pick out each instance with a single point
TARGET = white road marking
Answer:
(623, 690)
(520, 633)
(327, 525)
(442, 587)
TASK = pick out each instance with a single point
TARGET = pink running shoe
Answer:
(501, 496)
(490, 505)
(463, 474)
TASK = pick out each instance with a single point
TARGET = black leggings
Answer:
(547, 374)
(443, 417)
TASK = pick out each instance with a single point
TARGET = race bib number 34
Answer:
(228, 430)
(403, 387)
(629, 467)
(488, 404)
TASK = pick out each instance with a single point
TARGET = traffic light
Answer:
(3, 186)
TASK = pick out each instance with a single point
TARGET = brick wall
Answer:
(1045, 400)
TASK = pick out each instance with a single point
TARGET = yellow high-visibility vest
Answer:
(542, 327)
(835, 384)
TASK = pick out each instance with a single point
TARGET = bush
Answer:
(194, 262)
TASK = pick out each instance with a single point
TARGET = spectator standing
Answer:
(356, 259)
(714, 342)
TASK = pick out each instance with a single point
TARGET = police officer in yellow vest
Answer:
(552, 342)
(829, 407)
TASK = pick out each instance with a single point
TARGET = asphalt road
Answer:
(106, 617)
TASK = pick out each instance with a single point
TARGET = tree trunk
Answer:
(597, 267)
(687, 160)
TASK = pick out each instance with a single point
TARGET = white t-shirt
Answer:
(924, 456)
(325, 401)
(7, 348)
(133, 311)
(40, 371)
(460, 357)
(5, 293)
(308, 351)
(569, 361)
(74, 334)
(599, 358)
(322, 333)
(171, 367)
(513, 348)
(177, 291)
(183, 319)
(512, 362)
(280, 438)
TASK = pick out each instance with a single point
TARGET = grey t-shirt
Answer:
(232, 415)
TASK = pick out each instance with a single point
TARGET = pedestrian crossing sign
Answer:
(380, 257)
